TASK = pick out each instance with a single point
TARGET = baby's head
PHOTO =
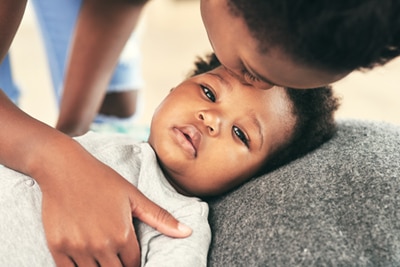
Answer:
(212, 133)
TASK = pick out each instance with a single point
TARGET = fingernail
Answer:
(184, 228)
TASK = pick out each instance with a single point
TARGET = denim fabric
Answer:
(57, 20)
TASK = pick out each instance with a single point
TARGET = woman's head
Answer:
(301, 44)
(212, 133)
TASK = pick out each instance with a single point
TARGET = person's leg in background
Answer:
(122, 103)
(117, 112)
(7, 82)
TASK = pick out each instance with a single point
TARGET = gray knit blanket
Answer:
(337, 206)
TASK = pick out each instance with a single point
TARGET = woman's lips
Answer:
(188, 137)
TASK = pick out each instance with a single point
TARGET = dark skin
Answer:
(99, 232)
(10, 18)
(103, 27)
(120, 104)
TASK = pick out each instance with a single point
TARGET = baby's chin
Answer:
(197, 191)
(173, 179)
(187, 190)
(204, 190)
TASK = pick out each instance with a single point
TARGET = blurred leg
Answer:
(122, 95)
(57, 21)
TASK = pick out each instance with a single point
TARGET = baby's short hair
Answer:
(315, 124)
(312, 109)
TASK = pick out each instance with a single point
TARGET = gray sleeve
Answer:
(191, 251)
(23, 242)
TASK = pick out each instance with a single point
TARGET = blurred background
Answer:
(172, 36)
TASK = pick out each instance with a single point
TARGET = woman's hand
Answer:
(88, 209)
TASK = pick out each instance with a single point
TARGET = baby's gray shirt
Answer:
(23, 240)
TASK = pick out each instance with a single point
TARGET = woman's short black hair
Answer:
(334, 35)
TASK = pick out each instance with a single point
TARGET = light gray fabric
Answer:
(22, 238)
(337, 206)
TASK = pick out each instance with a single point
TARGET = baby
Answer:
(209, 135)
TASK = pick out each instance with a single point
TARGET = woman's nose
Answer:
(211, 120)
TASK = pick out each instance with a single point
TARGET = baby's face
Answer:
(212, 133)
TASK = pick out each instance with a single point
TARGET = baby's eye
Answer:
(208, 93)
(239, 133)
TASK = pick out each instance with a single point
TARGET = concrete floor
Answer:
(172, 36)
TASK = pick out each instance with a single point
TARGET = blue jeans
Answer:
(56, 19)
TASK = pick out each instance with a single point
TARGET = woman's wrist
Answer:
(48, 154)
(59, 161)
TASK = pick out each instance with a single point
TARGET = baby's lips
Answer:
(193, 134)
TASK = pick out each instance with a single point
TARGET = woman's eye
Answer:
(250, 77)
(208, 93)
(239, 133)
(256, 81)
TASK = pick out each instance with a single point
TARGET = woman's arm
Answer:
(85, 220)
(11, 12)
(87, 207)
(103, 28)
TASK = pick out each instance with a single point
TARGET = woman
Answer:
(308, 55)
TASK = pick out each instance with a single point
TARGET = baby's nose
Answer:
(211, 120)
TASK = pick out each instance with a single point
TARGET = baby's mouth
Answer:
(189, 138)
